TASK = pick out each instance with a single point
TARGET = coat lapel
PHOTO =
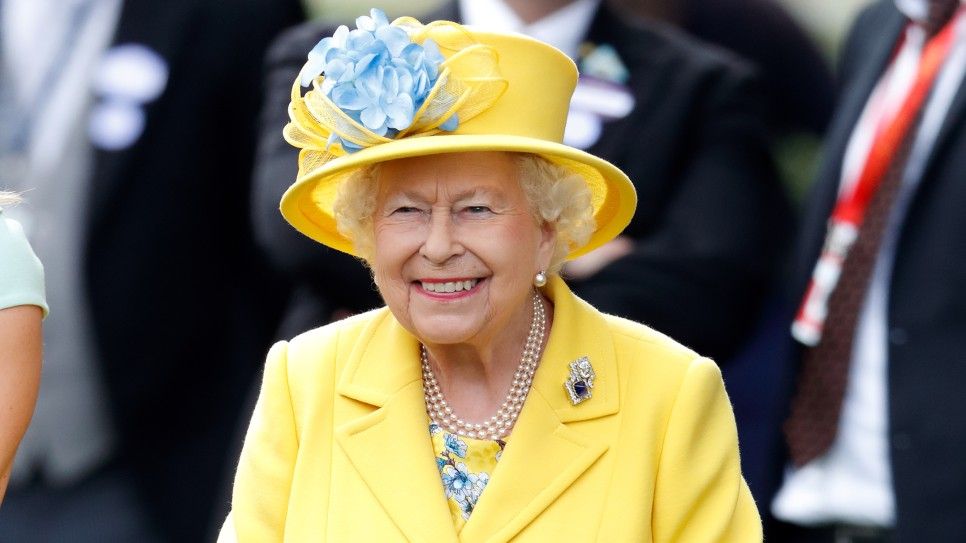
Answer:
(161, 28)
(390, 447)
(952, 122)
(638, 51)
(544, 456)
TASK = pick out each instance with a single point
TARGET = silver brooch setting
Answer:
(580, 382)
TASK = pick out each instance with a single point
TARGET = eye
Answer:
(402, 210)
(478, 209)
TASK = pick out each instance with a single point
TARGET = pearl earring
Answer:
(540, 279)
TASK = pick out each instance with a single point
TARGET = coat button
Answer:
(898, 336)
(901, 441)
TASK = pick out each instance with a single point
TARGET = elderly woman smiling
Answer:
(485, 402)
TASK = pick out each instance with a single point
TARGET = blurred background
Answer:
(826, 20)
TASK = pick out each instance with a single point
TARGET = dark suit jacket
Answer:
(797, 84)
(709, 220)
(180, 308)
(927, 300)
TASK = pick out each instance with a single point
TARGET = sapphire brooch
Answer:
(580, 382)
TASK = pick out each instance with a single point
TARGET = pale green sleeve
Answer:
(21, 273)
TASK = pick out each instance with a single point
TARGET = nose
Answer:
(440, 244)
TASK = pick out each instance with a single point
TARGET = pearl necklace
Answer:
(499, 425)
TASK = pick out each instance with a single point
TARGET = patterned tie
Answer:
(816, 408)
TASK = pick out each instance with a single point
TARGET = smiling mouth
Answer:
(448, 287)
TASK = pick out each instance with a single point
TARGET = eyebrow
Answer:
(458, 197)
(478, 191)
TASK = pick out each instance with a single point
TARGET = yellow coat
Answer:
(339, 448)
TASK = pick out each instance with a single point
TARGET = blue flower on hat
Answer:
(376, 75)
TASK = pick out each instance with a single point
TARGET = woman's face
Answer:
(456, 246)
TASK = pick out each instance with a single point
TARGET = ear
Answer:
(548, 243)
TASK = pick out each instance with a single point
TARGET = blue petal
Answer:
(359, 39)
(364, 90)
(340, 36)
(332, 139)
(346, 97)
(335, 68)
(379, 17)
(431, 50)
(390, 83)
(376, 47)
(405, 79)
(451, 124)
(400, 112)
(413, 55)
(365, 63)
(420, 88)
(374, 118)
(322, 47)
(365, 23)
(350, 147)
(312, 68)
(371, 81)
(395, 38)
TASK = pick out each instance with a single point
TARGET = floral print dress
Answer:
(465, 464)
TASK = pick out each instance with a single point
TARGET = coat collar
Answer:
(391, 448)
(148, 24)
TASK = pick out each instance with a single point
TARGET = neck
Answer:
(530, 11)
(475, 378)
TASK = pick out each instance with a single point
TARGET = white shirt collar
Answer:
(565, 28)
(913, 9)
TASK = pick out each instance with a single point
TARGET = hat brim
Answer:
(307, 204)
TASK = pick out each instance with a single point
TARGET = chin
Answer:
(445, 330)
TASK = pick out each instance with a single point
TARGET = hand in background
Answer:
(594, 261)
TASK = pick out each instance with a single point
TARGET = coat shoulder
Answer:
(639, 344)
(653, 45)
(323, 349)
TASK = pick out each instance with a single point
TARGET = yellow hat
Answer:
(507, 93)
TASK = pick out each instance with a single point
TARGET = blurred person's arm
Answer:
(20, 357)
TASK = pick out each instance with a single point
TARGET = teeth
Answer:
(450, 286)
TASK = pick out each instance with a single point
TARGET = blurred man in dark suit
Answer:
(131, 125)
(875, 434)
(795, 79)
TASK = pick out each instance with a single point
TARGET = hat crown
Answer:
(541, 80)
(464, 89)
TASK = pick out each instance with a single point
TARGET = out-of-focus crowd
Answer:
(804, 229)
